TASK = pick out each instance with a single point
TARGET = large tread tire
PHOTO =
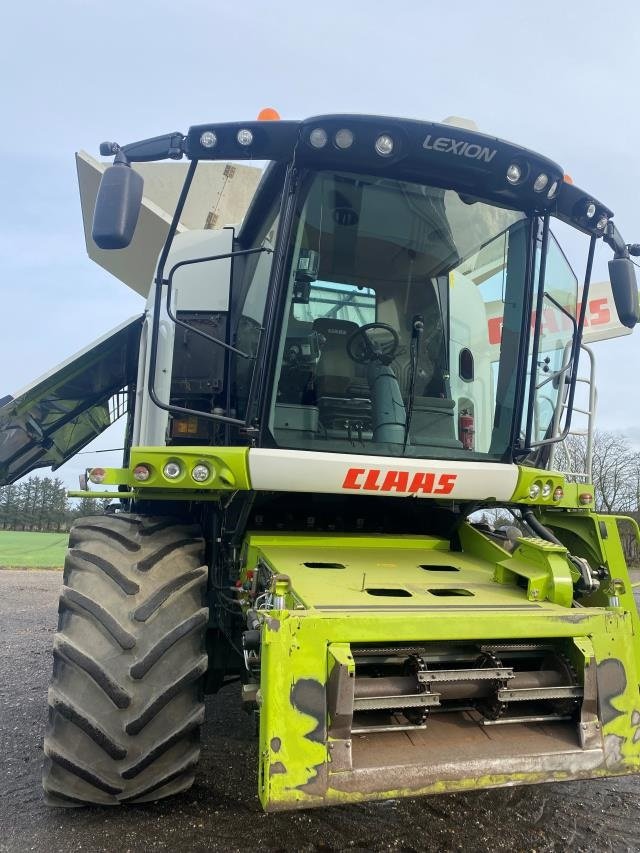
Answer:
(126, 698)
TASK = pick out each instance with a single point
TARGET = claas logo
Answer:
(419, 482)
(598, 313)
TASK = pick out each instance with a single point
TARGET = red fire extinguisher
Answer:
(466, 429)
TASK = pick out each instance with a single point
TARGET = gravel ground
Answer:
(222, 813)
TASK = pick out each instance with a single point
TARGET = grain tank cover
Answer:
(49, 421)
(220, 195)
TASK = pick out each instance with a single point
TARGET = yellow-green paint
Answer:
(333, 610)
(553, 480)
(228, 465)
(388, 593)
(229, 472)
(231, 467)
(408, 565)
(102, 495)
(597, 538)
(295, 651)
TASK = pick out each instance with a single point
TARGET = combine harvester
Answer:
(319, 404)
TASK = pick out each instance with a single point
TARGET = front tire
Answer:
(125, 701)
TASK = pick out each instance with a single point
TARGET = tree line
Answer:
(41, 504)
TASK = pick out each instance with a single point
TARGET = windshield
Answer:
(402, 321)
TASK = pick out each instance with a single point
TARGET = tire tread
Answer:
(131, 631)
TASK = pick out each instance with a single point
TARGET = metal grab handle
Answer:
(169, 282)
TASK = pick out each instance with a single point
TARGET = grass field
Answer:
(32, 550)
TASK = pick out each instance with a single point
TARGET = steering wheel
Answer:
(373, 342)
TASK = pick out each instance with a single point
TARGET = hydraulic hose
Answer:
(539, 528)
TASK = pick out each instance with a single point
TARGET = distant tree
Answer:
(616, 469)
(59, 506)
(85, 507)
(8, 502)
(41, 503)
(37, 503)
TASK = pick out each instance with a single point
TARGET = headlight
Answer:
(208, 139)
(540, 182)
(244, 137)
(172, 470)
(514, 173)
(384, 145)
(200, 472)
(534, 490)
(344, 138)
(141, 473)
(318, 137)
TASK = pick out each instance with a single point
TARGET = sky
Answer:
(560, 78)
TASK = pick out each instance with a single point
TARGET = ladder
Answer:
(589, 381)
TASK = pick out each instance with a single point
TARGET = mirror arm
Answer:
(170, 146)
(613, 239)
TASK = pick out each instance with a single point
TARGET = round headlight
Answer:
(200, 472)
(208, 139)
(172, 470)
(141, 473)
(97, 475)
(553, 189)
(318, 137)
(558, 493)
(601, 224)
(534, 490)
(244, 136)
(514, 173)
(344, 138)
(540, 182)
(546, 489)
(384, 145)
(591, 210)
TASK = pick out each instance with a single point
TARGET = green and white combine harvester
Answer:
(320, 405)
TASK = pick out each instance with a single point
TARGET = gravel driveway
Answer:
(221, 812)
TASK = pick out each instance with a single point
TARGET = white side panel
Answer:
(337, 473)
(468, 322)
(203, 286)
(150, 423)
(196, 287)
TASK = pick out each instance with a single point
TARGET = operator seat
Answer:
(342, 390)
(335, 371)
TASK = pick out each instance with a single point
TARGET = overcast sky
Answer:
(561, 78)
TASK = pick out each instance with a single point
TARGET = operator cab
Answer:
(395, 290)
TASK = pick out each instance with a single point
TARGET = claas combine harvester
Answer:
(320, 403)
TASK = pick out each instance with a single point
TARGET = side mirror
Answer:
(117, 207)
(625, 291)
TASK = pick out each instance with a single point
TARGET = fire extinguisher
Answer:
(466, 429)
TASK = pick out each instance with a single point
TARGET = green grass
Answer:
(32, 550)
